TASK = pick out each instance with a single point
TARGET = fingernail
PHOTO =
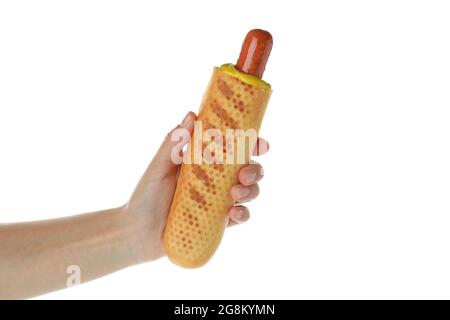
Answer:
(243, 192)
(239, 214)
(186, 120)
(261, 171)
(250, 176)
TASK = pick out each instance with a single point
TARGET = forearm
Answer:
(36, 257)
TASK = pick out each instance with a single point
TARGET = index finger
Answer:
(261, 147)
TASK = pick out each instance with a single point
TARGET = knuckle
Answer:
(171, 132)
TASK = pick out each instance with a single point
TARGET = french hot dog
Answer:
(235, 100)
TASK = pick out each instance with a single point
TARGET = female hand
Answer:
(150, 203)
(43, 256)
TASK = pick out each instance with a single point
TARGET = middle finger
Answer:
(251, 174)
(241, 193)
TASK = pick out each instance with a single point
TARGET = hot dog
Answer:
(236, 98)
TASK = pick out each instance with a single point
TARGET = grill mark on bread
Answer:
(196, 196)
(201, 174)
(225, 89)
(223, 115)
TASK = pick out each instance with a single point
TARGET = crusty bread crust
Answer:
(198, 215)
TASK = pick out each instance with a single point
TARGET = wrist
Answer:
(144, 243)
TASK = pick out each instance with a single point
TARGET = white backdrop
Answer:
(356, 197)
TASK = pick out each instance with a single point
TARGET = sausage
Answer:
(255, 52)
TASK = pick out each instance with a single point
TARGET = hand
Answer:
(150, 203)
(102, 242)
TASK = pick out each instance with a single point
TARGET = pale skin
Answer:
(35, 256)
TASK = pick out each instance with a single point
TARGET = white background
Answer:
(356, 197)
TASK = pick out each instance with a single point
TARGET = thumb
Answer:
(169, 155)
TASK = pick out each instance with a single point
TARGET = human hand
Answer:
(148, 207)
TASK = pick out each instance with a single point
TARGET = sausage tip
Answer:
(255, 52)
